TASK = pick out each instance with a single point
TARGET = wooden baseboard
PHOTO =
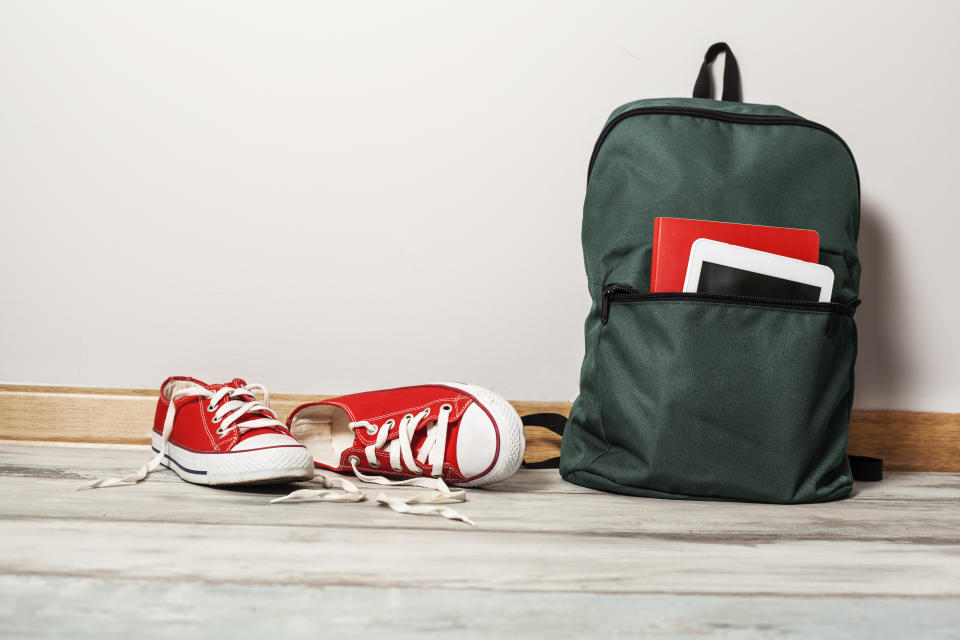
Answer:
(906, 440)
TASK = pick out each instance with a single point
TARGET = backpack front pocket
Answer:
(706, 396)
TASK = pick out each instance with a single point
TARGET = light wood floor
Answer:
(548, 559)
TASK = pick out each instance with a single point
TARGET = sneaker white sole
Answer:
(272, 465)
(512, 439)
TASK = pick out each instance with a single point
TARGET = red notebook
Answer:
(673, 237)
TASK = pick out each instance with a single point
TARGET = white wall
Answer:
(335, 197)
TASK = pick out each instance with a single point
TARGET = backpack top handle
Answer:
(731, 74)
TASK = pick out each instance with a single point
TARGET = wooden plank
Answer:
(87, 607)
(906, 440)
(44, 485)
(542, 513)
(76, 414)
(61, 460)
(125, 416)
(467, 558)
(168, 557)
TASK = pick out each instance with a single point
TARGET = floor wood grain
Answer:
(120, 608)
(548, 559)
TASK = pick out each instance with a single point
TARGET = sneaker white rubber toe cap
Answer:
(476, 442)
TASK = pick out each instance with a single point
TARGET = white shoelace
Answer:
(226, 415)
(401, 455)
(335, 490)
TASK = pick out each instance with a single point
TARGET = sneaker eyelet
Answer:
(373, 429)
(216, 419)
(446, 407)
(397, 469)
(211, 408)
(219, 432)
(376, 465)
(353, 460)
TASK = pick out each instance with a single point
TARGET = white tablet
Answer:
(718, 267)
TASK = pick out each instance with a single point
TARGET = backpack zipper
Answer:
(624, 293)
(723, 116)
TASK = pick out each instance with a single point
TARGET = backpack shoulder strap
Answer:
(554, 422)
(865, 468)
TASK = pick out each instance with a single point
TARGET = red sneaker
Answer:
(463, 434)
(219, 434)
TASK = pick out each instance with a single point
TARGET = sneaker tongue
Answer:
(236, 383)
(417, 441)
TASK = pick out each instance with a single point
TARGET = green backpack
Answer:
(702, 396)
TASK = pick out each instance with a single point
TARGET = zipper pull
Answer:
(608, 292)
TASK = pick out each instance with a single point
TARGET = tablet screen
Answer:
(719, 278)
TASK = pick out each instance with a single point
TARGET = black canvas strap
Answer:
(731, 74)
(554, 422)
(866, 469)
